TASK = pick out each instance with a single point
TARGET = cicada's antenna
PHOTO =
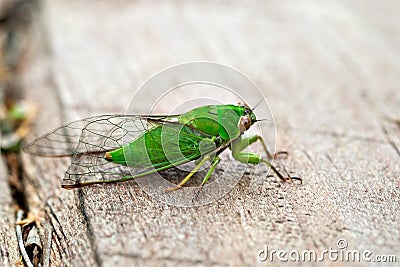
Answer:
(263, 120)
(259, 102)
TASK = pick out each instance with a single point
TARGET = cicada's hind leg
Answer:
(198, 166)
(253, 158)
(210, 171)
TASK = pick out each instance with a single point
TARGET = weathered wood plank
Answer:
(60, 210)
(12, 29)
(330, 74)
(9, 251)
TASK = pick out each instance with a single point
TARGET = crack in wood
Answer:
(89, 227)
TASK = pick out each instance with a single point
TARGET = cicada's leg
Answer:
(246, 141)
(198, 166)
(210, 171)
(253, 158)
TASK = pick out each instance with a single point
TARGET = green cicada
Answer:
(100, 145)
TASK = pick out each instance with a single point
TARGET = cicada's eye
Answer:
(247, 110)
(244, 123)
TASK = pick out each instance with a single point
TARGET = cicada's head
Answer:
(247, 119)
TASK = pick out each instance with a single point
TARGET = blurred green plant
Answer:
(14, 125)
(15, 114)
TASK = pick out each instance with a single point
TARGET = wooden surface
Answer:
(9, 253)
(330, 73)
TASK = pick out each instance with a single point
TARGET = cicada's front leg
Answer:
(240, 144)
(246, 141)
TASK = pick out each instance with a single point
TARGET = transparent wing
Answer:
(89, 139)
(63, 141)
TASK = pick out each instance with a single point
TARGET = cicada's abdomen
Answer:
(159, 147)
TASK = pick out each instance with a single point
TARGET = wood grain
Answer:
(9, 252)
(330, 73)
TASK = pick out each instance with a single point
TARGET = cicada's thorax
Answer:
(164, 146)
(216, 120)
